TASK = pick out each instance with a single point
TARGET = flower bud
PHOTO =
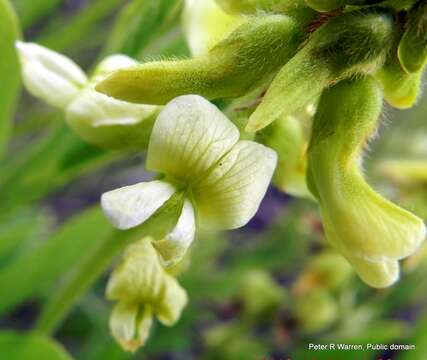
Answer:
(370, 231)
(260, 294)
(350, 44)
(286, 136)
(327, 269)
(98, 119)
(205, 24)
(49, 75)
(239, 63)
(316, 311)
(230, 341)
(412, 50)
(107, 122)
(142, 289)
(401, 90)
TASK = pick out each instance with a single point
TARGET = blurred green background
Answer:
(244, 286)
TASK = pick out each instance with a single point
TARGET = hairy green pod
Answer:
(412, 50)
(233, 67)
(401, 90)
(351, 44)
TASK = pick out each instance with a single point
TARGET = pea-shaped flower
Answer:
(142, 289)
(198, 150)
(97, 118)
(370, 231)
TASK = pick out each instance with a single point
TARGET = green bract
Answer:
(142, 289)
(371, 232)
(97, 118)
(197, 148)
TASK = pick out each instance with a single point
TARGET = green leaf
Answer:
(18, 227)
(31, 346)
(419, 339)
(9, 70)
(39, 170)
(61, 33)
(93, 263)
(139, 23)
(36, 271)
(31, 11)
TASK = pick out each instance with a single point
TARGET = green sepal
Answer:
(233, 67)
(412, 49)
(354, 43)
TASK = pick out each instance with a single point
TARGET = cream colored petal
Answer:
(112, 63)
(205, 24)
(378, 274)
(50, 76)
(123, 324)
(174, 299)
(130, 206)
(145, 322)
(231, 194)
(95, 109)
(372, 227)
(189, 137)
(139, 278)
(174, 246)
